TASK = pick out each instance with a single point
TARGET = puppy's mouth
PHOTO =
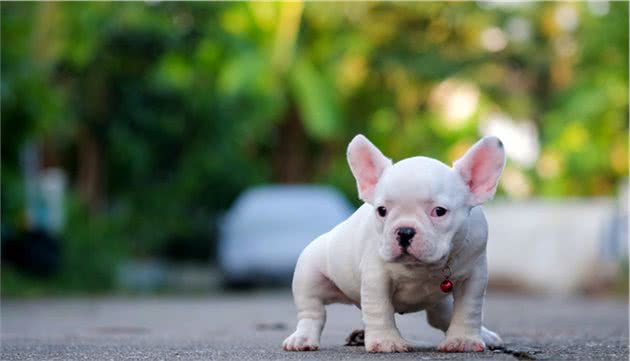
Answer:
(407, 258)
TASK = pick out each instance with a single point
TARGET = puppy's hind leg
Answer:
(309, 288)
(491, 339)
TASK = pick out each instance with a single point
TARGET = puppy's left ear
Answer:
(481, 168)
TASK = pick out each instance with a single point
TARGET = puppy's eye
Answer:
(382, 211)
(438, 212)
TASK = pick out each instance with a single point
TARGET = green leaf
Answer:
(316, 100)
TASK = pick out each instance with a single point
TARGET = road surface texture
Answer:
(252, 327)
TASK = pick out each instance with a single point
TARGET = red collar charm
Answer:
(446, 286)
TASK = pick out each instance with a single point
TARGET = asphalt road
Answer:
(253, 326)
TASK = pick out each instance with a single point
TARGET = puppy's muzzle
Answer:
(404, 236)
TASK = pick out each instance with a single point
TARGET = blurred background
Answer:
(189, 147)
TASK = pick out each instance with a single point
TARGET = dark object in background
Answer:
(188, 248)
(35, 253)
(356, 338)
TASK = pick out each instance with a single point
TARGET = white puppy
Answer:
(420, 234)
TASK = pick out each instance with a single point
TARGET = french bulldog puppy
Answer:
(417, 243)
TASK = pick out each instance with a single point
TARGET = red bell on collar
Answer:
(446, 286)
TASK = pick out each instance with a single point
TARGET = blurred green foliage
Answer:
(161, 113)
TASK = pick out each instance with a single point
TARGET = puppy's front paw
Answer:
(300, 342)
(385, 342)
(462, 344)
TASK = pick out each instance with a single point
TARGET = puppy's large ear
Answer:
(367, 164)
(481, 168)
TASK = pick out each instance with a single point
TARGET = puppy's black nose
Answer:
(405, 234)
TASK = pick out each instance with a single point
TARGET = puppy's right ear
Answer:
(367, 164)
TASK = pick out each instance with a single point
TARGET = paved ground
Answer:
(252, 327)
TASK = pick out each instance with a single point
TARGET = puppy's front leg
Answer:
(381, 333)
(464, 332)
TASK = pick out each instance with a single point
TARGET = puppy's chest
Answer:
(411, 294)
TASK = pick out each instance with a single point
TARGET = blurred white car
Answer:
(263, 233)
